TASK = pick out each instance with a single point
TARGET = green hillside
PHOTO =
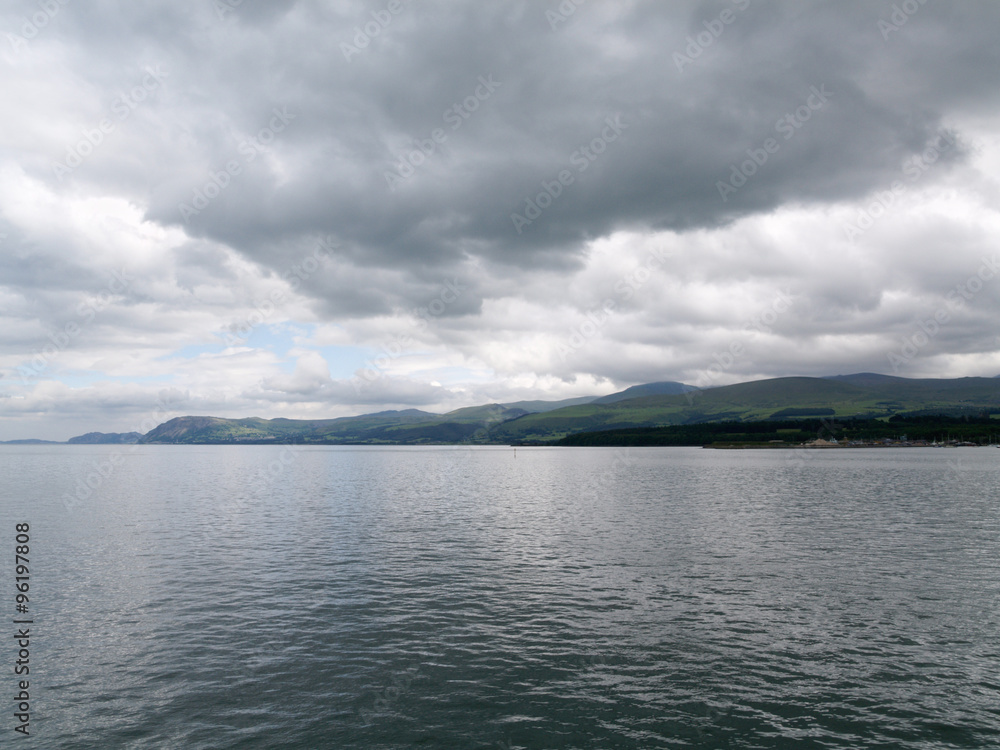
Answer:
(535, 406)
(771, 433)
(863, 396)
(664, 388)
(851, 396)
(411, 426)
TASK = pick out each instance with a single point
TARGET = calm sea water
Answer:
(355, 597)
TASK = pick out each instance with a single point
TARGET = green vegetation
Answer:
(852, 396)
(664, 388)
(976, 429)
(409, 427)
(784, 409)
(800, 412)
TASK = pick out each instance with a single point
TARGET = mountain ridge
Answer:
(658, 404)
(866, 395)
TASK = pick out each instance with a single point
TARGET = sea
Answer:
(491, 597)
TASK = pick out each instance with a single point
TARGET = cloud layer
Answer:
(321, 208)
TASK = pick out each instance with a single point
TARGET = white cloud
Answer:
(218, 307)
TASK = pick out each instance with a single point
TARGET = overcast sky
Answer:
(316, 209)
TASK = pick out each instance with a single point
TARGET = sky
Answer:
(318, 209)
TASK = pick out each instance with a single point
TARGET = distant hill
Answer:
(652, 405)
(29, 441)
(868, 379)
(101, 438)
(664, 388)
(409, 427)
(543, 406)
(864, 395)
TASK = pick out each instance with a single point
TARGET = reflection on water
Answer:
(263, 596)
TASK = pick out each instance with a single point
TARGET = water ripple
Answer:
(387, 598)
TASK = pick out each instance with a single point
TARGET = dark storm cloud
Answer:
(687, 113)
